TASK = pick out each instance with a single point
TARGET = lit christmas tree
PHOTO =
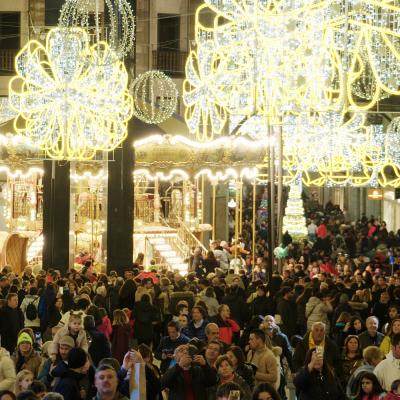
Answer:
(294, 221)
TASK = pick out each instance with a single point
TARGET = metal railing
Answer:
(187, 237)
(171, 62)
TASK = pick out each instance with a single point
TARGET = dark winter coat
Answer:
(69, 383)
(11, 322)
(310, 386)
(287, 309)
(120, 341)
(168, 346)
(202, 377)
(144, 314)
(99, 346)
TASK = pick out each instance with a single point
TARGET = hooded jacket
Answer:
(7, 371)
(69, 382)
(317, 311)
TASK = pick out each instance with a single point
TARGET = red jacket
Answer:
(227, 329)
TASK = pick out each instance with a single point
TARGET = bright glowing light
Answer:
(71, 102)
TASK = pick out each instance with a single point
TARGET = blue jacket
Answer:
(199, 332)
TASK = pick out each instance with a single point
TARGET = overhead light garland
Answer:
(71, 101)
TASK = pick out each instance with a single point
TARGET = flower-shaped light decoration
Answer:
(204, 115)
(72, 102)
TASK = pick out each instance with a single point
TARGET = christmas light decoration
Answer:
(118, 22)
(155, 97)
(294, 221)
(71, 101)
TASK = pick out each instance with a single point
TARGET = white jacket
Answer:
(7, 371)
(387, 371)
(30, 298)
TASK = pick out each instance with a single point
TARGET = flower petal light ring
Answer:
(71, 101)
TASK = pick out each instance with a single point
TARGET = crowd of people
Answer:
(325, 327)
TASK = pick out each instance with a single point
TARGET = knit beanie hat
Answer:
(24, 338)
(76, 358)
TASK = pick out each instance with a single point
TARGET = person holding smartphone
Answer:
(317, 380)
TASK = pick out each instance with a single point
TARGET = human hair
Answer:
(347, 340)
(89, 323)
(7, 392)
(395, 385)
(344, 317)
(10, 296)
(221, 306)
(20, 377)
(259, 334)
(201, 310)
(354, 319)
(221, 359)
(120, 317)
(145, 351)
(390, 329)
(371, 354)
(102, 312)
(224, 390)
(209, 292)
(37, 387)
(105, 367)
(174, 324)
(218, 343)
(395, 340)
(318, 323)
(74, 316)
(376, 386)
(53, 396)
(265, 387)
(111, 362)
(238, 353)
(327, 370)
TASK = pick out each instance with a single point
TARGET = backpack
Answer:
(31, 311)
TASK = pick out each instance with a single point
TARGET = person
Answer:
(317, 337)
(152, 373)
(351, 358)
(71, 375)
(317, 309)
(243, 369)
(278, 338)
(38, 388)
(394, 329)
(7, 370)
(263, 359)
(372, 356)
(23, 380)
(264, 391)
(144, 314)
(120, 335)
(189, 378)
(11, 322)
(198, 323)
(168, 344)
(388, 369)
(224, 391)
(226, 373)
(74, 329)
(7, 395)
(29, 308)
(99, 346)
(369, 388)
(371, 337)
(394, 393)
(106, 383)
(211, 331)
(209, 298)
(25, 357)
(286, 307)
(316, 380)
(227, 326)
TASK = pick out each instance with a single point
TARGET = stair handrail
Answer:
(184, 231)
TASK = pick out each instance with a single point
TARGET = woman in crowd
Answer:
(394, 329)
(264, 391)
(369, 388)
(351, 358)
(243, 369)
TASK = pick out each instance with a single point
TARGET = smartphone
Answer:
(319, 350)
(234, 395)
(193, 351)
(61, 290)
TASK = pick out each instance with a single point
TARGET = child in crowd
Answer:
(394, 394)
(23, 381)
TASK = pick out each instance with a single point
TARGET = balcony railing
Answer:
(171, 62)
(7, 57)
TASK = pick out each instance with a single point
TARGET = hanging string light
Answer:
(118, 24)
(154, 97)
(71, 101)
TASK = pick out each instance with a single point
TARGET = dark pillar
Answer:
(120, 207)
(56, 199)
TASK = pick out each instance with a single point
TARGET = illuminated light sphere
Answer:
(294, 221)
(119, 24)
(71, 102)
(155, 97)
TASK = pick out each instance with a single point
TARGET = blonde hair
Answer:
(120, 317)
(75, 316)
(19, 378)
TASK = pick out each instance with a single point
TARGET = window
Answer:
(9, 40)
(52, 12)
(169, 31)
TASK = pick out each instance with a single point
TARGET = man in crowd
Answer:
(371, 337)
(106, 382)
(11, 322)
(263, 358)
